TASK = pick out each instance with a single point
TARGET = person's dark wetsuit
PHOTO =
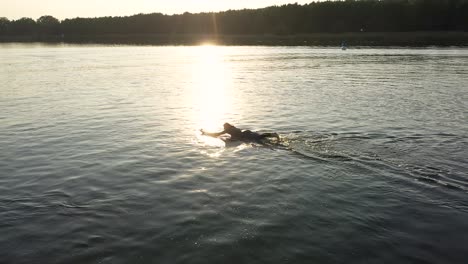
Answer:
(237, 134)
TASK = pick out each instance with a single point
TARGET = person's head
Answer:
(227, 126)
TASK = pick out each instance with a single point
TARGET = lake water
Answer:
(102, 161)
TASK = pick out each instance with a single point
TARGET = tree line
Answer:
(290, 19)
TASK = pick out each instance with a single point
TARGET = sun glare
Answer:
(211, 85)
(206, 45)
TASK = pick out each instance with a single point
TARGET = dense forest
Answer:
(291, 19)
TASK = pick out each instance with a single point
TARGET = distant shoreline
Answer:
(413, 39)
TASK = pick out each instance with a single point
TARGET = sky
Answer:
(61, 9)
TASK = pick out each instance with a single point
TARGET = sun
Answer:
(208, 44)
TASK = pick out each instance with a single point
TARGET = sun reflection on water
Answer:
(211, 100)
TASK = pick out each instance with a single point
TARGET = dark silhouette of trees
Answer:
(291, 19)
(4, 25)
(48, 25)
(22, 26)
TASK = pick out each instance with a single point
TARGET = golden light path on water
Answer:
(211, 92)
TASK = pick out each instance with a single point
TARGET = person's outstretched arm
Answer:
(212, 134)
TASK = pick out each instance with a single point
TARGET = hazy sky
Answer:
(14, 9)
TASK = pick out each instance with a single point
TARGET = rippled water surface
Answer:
(101, 160)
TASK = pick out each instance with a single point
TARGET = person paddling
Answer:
(241, 135)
